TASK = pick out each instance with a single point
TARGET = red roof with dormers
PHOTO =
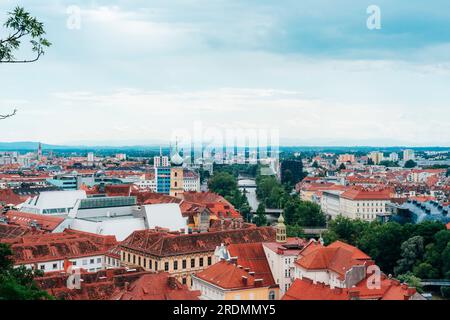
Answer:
(156, 286)
(228, 276)
(338, 257)
(44, 222)
(159, 243)
(389, 289)
(367, 194)
(56, 246)
(253, 257)
(117, 284)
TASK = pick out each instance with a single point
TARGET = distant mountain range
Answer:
(31, 146)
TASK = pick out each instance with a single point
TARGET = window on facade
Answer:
(271, 295)
(74, 263)
(55, 266)
(183, 280)
(99, 260)
(145, 263)
(201, 262)
(129, 257)
(183, 263)
(192, 263)
(84, 262)
(166, 266)
(134, 259)
(156, 265)
(175, 265)
(139, 260)
(209, 261)
(92, 261)
(42, 267)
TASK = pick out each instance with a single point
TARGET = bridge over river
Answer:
(435, 282)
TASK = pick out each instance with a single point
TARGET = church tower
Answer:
(176, 174)
(281, 230)
(39, 151)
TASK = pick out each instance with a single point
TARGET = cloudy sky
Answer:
(136, 71)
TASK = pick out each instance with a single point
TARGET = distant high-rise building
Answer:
(121, 156)
(376, 157)
(408, 154)
(161, 161)
(347, 158)
(393, 157)
(39, 151)
(90, 157)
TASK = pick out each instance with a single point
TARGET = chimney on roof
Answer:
(353, 294)
(233, 260)
(258, 283)
(172, 282)
(244, 280)
(410, 293)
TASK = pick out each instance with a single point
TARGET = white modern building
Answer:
(364, 204)
(330, 203)
(57, 203)
(120, 216)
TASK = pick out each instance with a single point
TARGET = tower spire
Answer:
(281, 230)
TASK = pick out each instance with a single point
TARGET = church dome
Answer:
(176, 159)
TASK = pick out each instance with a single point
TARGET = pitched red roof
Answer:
(305, 289)
(338, 257)
(156, 286)
(252, 257)
(159, 243)
(364, 194)
(7, 196)
(389, 289)
(8, 232)
(54, 246)
(227, 275)
(44, 222)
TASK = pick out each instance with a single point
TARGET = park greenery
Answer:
(18, 283)
(410, 164)
(276, 195)
(225, 184)
(409, 251)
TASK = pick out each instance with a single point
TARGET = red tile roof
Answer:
(8, 232)
(7, 196)
(365, 194)
(389, 289)
(169, 244)
(338, 257)
(156, 286)
(229, 276)
(253, 257)
(55, 246)
(44, 222)
(305, 289)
